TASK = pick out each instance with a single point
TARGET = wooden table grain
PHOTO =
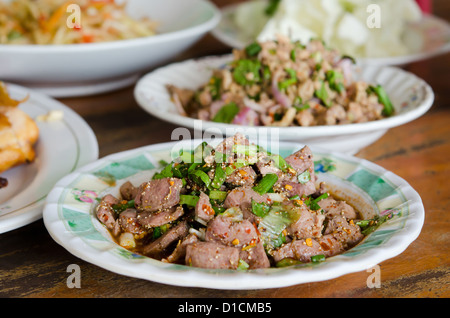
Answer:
(32, 265)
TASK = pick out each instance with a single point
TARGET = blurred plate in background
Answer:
(85, 69)
(424, 39)
(411, 96)
(63, 146)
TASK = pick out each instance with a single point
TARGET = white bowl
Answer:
(70, 219)
(64, 70)
(411, 97)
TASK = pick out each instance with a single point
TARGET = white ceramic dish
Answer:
(69, 218)
(433, 33)
(411, 97)
(101, 67)
(63, 146)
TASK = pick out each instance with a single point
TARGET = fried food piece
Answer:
(18, 133)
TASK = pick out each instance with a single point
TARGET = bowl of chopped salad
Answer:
(83, 47)
(288, 90)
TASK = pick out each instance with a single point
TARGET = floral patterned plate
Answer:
(70, 219)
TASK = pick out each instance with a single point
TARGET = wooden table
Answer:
(33, 265)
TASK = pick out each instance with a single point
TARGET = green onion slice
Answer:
(368, 226)
(203, 176)
(266, 183)
(322, 94)
(318, 258)
(242, 265)
(383, 98)
(287, 262)
(189, 200)
(304, 177)
(219, 177)
(218, 195)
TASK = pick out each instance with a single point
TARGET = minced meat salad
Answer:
(284, 83)
(235, 206)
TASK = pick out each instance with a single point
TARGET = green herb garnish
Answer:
(219, 176)
(253, 49)
(246, 72)
(214, 87)
(322, 94)
(314, 204)
(189, 200)
(304, 177)
(260, 209)
(318, 258)
(335, 80)
(290, 81)
(285, 262)
(218, 195)
(227, 113)
(242, 265)
(368, 226)
(383, 98)
(200, 177)
(165, 173)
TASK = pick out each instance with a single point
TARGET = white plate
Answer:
(96, 65)
(433, 33)
(70, 219)
(85, 89)
(63, 146)
(411, 96)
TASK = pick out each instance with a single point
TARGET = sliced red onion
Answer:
(313, 101)
(178, 105)
(346, 66)
(279, 96)
(253, 105)
(246, 117)
(203, 114)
